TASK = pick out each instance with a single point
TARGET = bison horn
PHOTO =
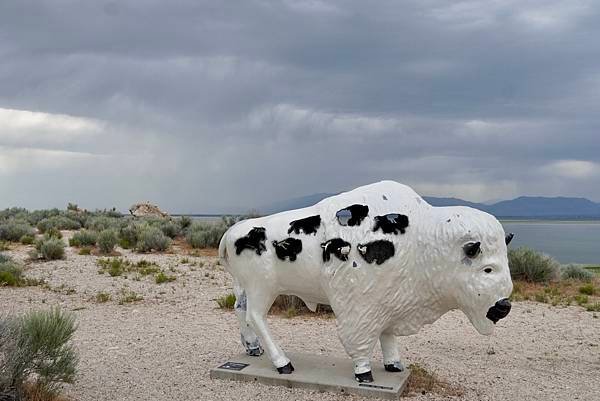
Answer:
(472, 249)
(508, 238)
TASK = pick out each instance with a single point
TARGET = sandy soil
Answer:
(163, 346)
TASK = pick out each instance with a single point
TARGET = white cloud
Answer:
(578, 169)
(25, 160)
(23, 128)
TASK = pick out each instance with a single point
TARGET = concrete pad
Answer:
(321, 373)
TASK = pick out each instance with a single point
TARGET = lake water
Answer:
(566, 241)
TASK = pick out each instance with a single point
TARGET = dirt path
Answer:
(163, 346)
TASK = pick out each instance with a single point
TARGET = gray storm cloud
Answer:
(224, 106)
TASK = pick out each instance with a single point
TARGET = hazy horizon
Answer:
(205, 107)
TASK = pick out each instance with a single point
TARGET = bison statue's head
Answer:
(479, 283)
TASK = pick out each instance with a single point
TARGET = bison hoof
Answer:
(254, 351)
(366, 377)
(286, 370)
(394, 367)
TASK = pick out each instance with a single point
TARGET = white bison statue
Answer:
(384, 259)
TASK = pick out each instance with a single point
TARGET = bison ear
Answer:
(472, 249)
(508, 238)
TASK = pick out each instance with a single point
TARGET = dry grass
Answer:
(181, 247)
(422, 381)
(560, 293)
(35, 392)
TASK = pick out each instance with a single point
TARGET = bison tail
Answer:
(223, 251)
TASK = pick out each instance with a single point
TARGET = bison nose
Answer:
(499, 310)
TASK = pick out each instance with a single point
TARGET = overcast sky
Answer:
(222, 106)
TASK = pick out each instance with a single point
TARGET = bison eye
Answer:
(487, 270)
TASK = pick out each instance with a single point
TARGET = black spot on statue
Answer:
(289, 247)
(337, 247)
(391, 223)
(254, 240)
(352, 215)
(377, 251)
(308, 225)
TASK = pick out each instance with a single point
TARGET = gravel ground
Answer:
(163, 346)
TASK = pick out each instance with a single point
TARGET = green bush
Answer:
(11, 274)
(50, 248)
(128, 236)
(27, 239)
(84, 238)
(13, 231)
(85, 250)
(170, 229)
(152, 238)
(4, 258)
(184, 222)
(38, 215)
(161, 277)
(54, 232)
(205, 235)
(587, 289)
(529, 265)
(226, 301)
(576, 272)
(35, 349)
(107, 240)
(100, 223)
(59, 223)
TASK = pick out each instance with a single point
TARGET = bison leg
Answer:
(259, 302)
(248, 337)
(389, 348)
(360, 348)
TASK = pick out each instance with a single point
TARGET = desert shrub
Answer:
(529, 265)
(595, 307)
(38, 215)
(27, 239)
(184, 222)
(14, 230)
(50, 248)
(152, 238)
(53, 232)
(576, 272)
(4, 258)
(84, 238)
(128, 235)
(100, 223)
(59, 223)
(11, 273)
(14, 213)
(114, 267)
(226, 301)
(107, 240)
(161, 277)
(169, 228)
(85, 250)
(80, 217)
(129, 296)
(205, 235)
(36, 352)
(587, 289)
(102, 297)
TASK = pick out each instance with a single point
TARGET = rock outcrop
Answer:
(146, 209)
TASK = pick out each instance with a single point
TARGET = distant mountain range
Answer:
(524, 207)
